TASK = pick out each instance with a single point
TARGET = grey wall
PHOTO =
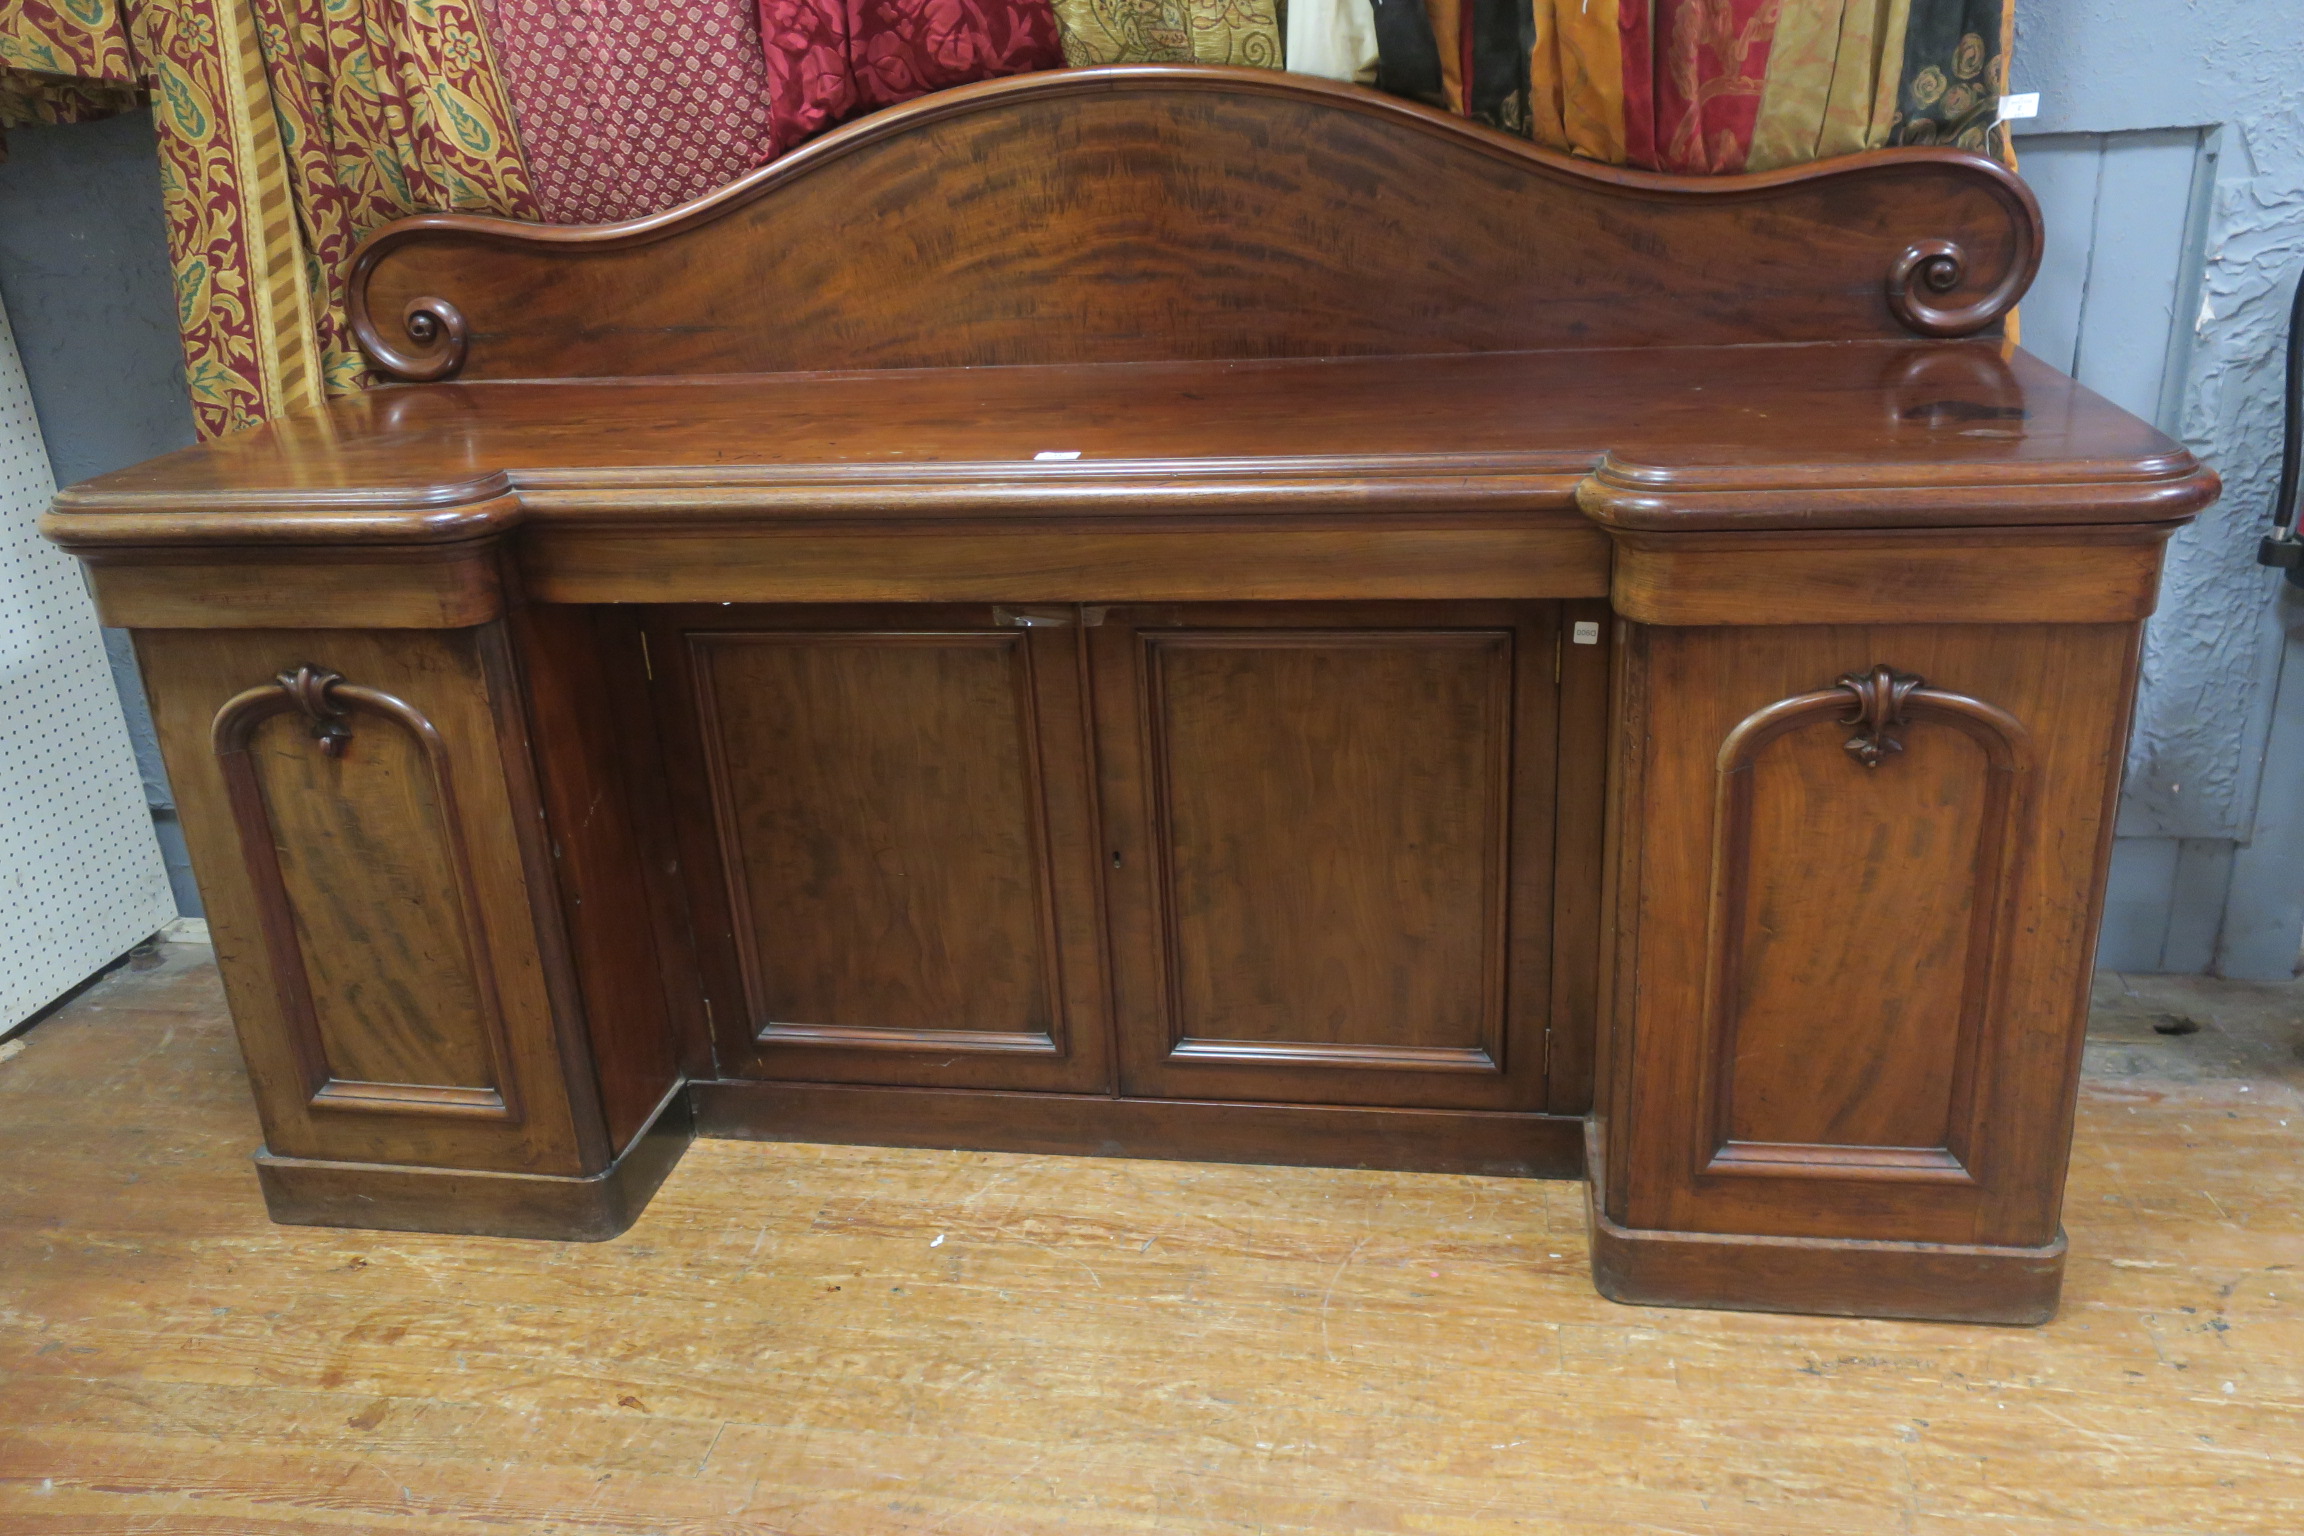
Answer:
(2228, 75)
(84, 273)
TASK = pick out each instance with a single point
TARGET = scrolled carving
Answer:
(437, 334)
(1745, 870)
(309, 688)
(327, 702)
(1879, 696)
(1939, 267)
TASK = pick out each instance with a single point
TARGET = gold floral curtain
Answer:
(68, 62)
(288, 129)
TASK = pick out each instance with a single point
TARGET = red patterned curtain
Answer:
(627, 107)
(831, 60)
(288, 129)
(64, 63)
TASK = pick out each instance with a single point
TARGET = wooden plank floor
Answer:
(817, 1340)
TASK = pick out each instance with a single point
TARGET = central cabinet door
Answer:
(1328, 849)
(888, 826)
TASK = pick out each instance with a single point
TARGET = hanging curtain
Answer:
(832, 60)
(1714, 87)
(386, 108)
(1245, 33)
(64, 63)
(628, 107)
(288, 129)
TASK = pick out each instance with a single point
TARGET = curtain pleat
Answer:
(287, 130)
(386, 108)
(70, 63)
(244, 296)
(1245, 33)
(831, 60)
(1715, 87)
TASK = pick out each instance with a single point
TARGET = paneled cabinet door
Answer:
(886, 822)
(1328, 849)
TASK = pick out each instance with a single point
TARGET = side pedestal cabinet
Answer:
(1183, 613)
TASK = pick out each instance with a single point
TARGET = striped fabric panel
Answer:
(1722, 86)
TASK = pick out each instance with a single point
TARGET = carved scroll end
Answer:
(437, 335)
(1932, 268)
(309, 689)
(1878, 698)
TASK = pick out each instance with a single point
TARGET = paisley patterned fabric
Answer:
(629, 107)
(243, 292)
(288, 129)
(70, 62)
(1245, 33)
(831, 60)
(385, 110)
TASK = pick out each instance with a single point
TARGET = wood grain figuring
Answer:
(1874, 1063)
(878, 812)
(1857, 929)
(1127, 215)
(1069, 566)
(894, 862)
(356, 847)
(2079, 576)
(1746, 438)
(418, 588)
(1332, 842)
(585, 699)
(365, 910)
(1330, 834)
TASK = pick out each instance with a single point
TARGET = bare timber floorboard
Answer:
(819, 1340)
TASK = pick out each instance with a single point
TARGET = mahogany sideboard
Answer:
(1182, 613)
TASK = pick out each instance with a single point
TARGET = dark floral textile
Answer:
(1954, 73)
(831, 60)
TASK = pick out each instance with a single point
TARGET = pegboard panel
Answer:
(80, 873)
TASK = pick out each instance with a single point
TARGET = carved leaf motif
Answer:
(1879, 696)
(308, 688)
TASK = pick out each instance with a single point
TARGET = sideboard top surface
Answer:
(1200, 293)
(1811, 435)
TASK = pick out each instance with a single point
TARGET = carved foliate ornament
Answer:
(1879, 696)
(308, 689)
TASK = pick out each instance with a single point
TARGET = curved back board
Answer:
(1163, 213)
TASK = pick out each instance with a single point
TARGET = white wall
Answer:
(2201, 879)
(81, 880)
(84, 274)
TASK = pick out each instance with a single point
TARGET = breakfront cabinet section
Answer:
(362, 817)
(1862, 866)
(1279, 853)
